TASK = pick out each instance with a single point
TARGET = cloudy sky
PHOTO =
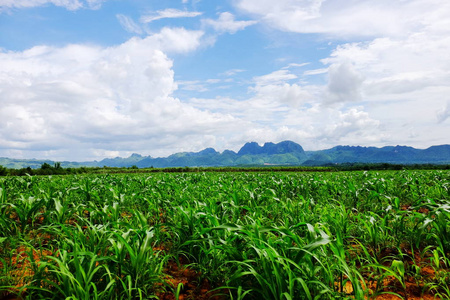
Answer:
(88, 79)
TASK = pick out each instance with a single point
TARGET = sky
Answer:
(89, 79)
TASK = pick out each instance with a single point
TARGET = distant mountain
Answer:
(271, 148)
(121, 162)
(389, 154)
(283, 153)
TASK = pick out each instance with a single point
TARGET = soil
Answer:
(22, 269)
(193, 285)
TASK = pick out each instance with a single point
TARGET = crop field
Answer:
(259, 235)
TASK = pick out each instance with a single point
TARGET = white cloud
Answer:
(227, 23)
(96, 99)
(169, 13)
(293, 95)
(295, 65)
(316, 72)
(178, 39)
(344, 83)
(399, 65)
(128, 24)
(232, 72)
(68, 4)
(276, 77)
(405, 83)
(347, 18)
(95, 4)
(275, 89)
(353, 124)
(192, 85)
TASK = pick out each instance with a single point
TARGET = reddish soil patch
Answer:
(413, 291)
(193, 287)
(22, 269)
(422, 210)
(21, 263)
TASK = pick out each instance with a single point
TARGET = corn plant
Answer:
(80, 275)
(256, 235)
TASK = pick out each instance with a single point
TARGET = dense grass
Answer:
(251, 235)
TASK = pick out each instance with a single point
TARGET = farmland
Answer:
(267, 235)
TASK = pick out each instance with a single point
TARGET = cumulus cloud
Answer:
(401, 65)
(344, 83)
(68, 4)
(179, 39)
(94, 98)
(405, 82)
(275, 89)
(169, 13)
(352, 122)
(227, 23)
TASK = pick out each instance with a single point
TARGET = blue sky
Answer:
(88, 79)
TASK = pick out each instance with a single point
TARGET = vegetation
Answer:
(56, 169)
(47, 169)
(226, 235)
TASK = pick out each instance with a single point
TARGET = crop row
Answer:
(226, 235)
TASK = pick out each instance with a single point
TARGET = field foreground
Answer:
(335, 235)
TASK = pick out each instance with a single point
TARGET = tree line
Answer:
(57, 169)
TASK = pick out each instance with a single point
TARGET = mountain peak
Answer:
(207, 151)
(252, 148)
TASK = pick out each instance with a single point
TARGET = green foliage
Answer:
(3, 171)
(252, 235)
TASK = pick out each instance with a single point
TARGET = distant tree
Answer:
(46, 166)
(29, 170)
(3, 171)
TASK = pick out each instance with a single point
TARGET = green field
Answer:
(268, 235)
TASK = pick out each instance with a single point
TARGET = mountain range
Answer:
(284, 153)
